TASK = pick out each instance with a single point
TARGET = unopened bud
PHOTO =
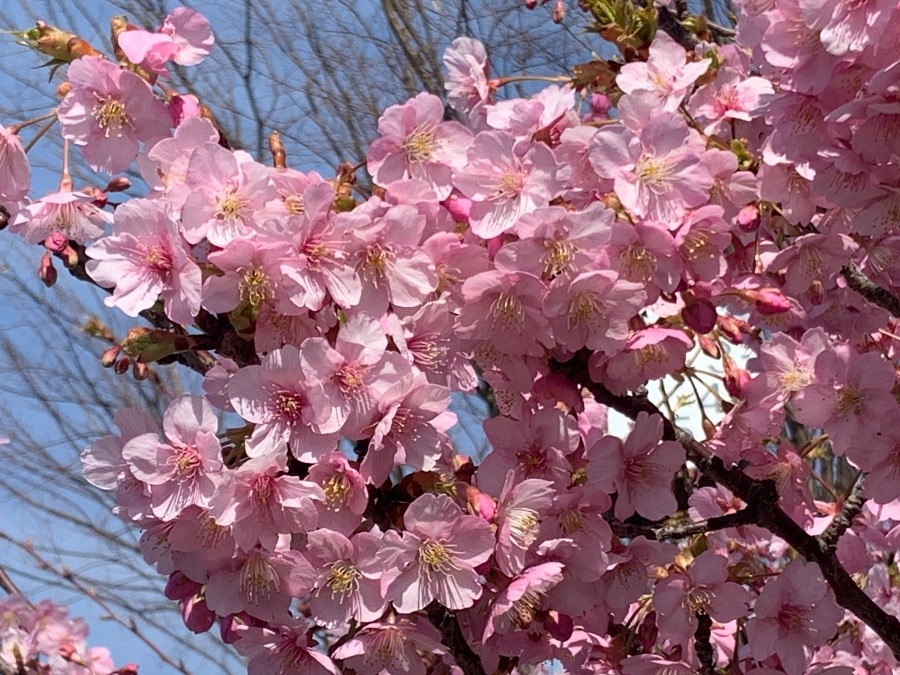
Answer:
(816, 292)
(46, 271)
(140, 371)
(699, 314)
(730, 328)
(736, 378)
(58, 44)
(69, 256)
(276, 147)
(559, 12)
(458, 206)
(771, 301)
(56, 242)
(117, 184)
(148, 345)
(708, 346)
(122, 364)
(109, 356)
(479, 503)
(63, 89)
(127, 669)
(748, 218)
(708, 428)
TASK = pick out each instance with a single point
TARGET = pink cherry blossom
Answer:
(435, 557)
(639, 471)
(185, 38)
(284, 648)
(72, 214)
(15, 172)
(391, 647)
(467, 64)
(518, 517)
(345, 493)
(795, 613)
(147, 259)
(109, 111)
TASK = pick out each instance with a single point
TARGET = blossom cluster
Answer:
(719, 202)
(40, 638)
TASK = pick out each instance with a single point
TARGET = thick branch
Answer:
(682, 529)
(871, 291)
(451, 635)
(759, 495)
(844, 518)
(706, 653)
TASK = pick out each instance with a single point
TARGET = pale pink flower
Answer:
(109, 111)
(545, 115)
(467, 87)
(146, 259)
(348, 585)
(413, 418)
(795, 613)
(732, 96)
(435, 559)
(657, 175)
(15, 172)
(252, 276)
(810, 258)
(592, 310)
(164, 167)
(185, 470)
(640, 470)
(393, 647)
(284, 648)
(845, 28)
(703, 588)
(416, 143)
(666, 73)
(261, 502)
(72, 214)
(104, 466)
(393, 268)
(517, 605)
(518, 518)
(883, 480)
(227, 195)
(185, 38)
(261, 583)
(287, 403)
(345, 492)
(576, 517)
(701, 241)
(506, 179)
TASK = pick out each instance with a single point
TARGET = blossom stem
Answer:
(43, 130)
(16, 128)
(531, 78)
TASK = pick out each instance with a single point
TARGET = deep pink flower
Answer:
(516, 605)
(262, 503)
(109, 111)
(393, 647)
(639, 471)
(287, 403)
(436, 556)
(795, 613)
(648, 354)
(346, 498)
(704, 588)
(146, 259)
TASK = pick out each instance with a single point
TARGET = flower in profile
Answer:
(185, 38)
(467, 85)
(72, 214)
(794, 614)
(436, 556)
(518, 518)
(518, 603)
(145, 259)
(110, 111)
(15, 172)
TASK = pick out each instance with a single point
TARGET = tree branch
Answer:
(681, 529)
(871, 291)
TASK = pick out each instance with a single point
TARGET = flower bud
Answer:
(479, 503)
(140, 371)
(109, 356)
(748, 218)
(46, 271)
(736, 379)
(117, 184)
(69, 256)
(699, 314)
(771, 301)
(122, 364)
(709, 347)
(56, 242)
(196, 615)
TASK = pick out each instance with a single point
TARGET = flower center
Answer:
(650, 354)
(571, 521)
(254, 286)
(558, 258)
(351, 377)
(186, 464)
(387, 650)
(377, 261)
(111, 116)
(289, 405)
(654, 173)
(258, 579)
(336, 489)
(420, 144)
(263, 489)
(342, 578)
(158, 258)
(791, 617)
(584, 307)
(523, 609)
(230, 205)
(698, 599)
(637, 263)
(507, 311)
(523, 526)
(849, 400)
(435, 557)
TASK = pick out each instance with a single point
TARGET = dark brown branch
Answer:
(844, 518)
(871, 291)
(451, 635)
(706, 653)
(681, 529)
(761, 495)
(668, 22)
